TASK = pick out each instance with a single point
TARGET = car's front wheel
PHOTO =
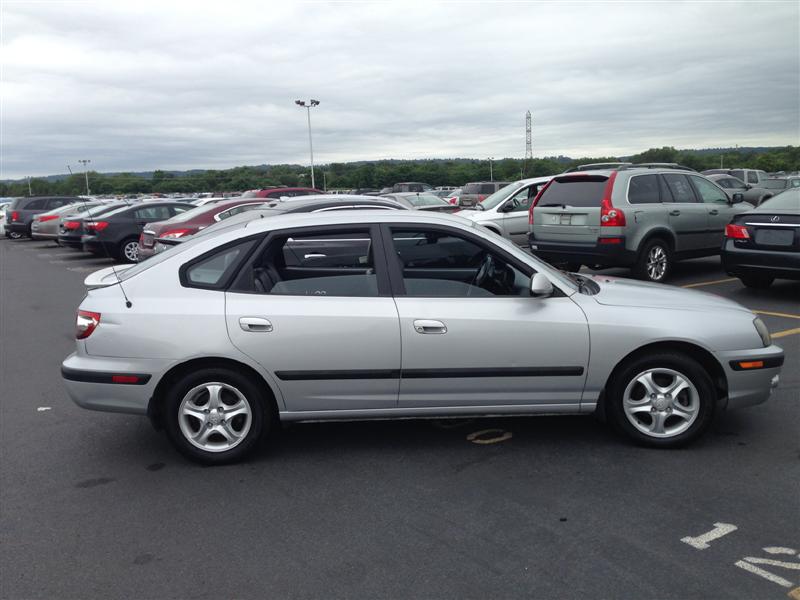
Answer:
(655, 261)
(215, 416)
(662, 400)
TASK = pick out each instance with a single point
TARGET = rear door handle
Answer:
(255, 324)
(713, 212)
(429, 326)
(674, 213)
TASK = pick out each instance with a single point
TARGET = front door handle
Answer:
(713, 212)
(429, 326)
(255, 324)
(674, 213)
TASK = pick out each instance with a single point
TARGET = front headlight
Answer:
(763, 332)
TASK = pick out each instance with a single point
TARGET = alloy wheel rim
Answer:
(661, 403)
(656, 263)
(215, 417)
(131, 251)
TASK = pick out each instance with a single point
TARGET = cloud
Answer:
(136, 86)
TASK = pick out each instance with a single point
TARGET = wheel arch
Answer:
(698, 353)
(155, 405)
(657, 232)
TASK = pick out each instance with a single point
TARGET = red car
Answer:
(276, 193)
(192, 221)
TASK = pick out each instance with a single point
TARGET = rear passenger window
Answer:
(58, 202)
(487, 188)
(214, 271)
(153, 213)
(38, 204)
(339, 263)
(752, 177)
(679, 187)
(643, 189)
(738, 173)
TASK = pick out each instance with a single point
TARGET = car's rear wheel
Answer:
(757, 281)
(662, 400)
(14, 235)
(654, 262)
(215, 416)
(129, 250)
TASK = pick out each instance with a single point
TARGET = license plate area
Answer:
(565, 219)
(774, 237)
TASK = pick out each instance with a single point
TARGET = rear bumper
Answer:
(592, 253)
(71, 241)
(95, 246)
(38, 235)
(17, 227)
(748, 387)
(745, 261)
(145, 252)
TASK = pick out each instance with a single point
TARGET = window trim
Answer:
(396, 277)
(725, 198)
(378, 251)
(227, 281)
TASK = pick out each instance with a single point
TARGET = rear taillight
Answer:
(15, 216)
(536, 201)
(44, 218)
(71, 224)
(86, 323)
(609, 215)
(736, 232)
(175, 233)
(96, 226)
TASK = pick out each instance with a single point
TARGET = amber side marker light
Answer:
(754, 364)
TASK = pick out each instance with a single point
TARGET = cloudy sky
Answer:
(177, 85)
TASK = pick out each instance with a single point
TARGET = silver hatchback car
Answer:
(384, 314)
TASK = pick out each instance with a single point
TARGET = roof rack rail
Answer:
(598, 166)
(656, 165)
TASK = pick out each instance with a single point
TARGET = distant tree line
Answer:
(378, 174)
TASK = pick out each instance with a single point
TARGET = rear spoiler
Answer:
(105, 277)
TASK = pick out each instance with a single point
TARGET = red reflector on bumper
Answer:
(609, 240)
(124, 379)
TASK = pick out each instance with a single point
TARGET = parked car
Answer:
(300, 204)
(506, 211)
(755, 178)
(45, 226)
(473, 193)
(286, 192)
(116, 233)
(410, 186)
(422, 201)
(733, 185)
(642, 218)
(303, 317)
(19, 214)
(454, 197)
(190, 222)
(778, 184)
(763, 244)
(71, 231)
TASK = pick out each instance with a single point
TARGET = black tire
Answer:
(659, 252)
(121, 255)
(759, 282)
(683, 365)
(260, 415)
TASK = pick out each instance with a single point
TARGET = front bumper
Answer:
(591, 253)
(746, 261)
(748, 387)
(88, 381)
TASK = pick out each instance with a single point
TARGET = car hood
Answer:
(618, 291)
(474, 215)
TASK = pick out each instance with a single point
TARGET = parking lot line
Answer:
(785, 332)
(776, 314)
(716, 281)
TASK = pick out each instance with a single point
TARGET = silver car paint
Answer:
(169, 324)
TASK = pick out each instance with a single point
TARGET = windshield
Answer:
(501, 194)
(425, 200)
(787, 200)
(190, 214)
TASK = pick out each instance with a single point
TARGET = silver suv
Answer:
(642, 217)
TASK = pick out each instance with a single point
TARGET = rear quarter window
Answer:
(584, 191)
(643, 189)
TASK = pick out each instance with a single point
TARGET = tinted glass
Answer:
(709, 193)
(488, 188)
(215, 269)
(152, 213)
(738, 173)
(679, 187)
(788, 200)
(574, 191)
(472, 188)
(643, 189)
(58, 202)
(333, 264)
(775, 184)
(38, 204)
(752, 177)
(439, 264)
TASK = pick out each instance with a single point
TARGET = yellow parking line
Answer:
(691, 285)
(795, 593)
(776, 314)
(780, 334)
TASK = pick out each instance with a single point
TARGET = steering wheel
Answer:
(485, 271)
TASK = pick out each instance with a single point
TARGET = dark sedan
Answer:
(763, 244)
(116, 233)
(71, 231)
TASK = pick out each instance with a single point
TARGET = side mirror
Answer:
(737, 198)
(747, 186)
(541, 286)
(507, 207)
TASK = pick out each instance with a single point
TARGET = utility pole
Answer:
(85, 162)
(491, 174)
(29, 187)
(308, 106)
(528, 140)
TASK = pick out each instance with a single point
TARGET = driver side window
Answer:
(521, 202)
(439, 264)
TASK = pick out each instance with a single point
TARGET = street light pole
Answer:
(491, 174)
(85, 162)
(29, 187)
(308, 106)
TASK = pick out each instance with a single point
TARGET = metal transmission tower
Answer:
(528, 142)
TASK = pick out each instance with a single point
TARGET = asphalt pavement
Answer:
(96, 505)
